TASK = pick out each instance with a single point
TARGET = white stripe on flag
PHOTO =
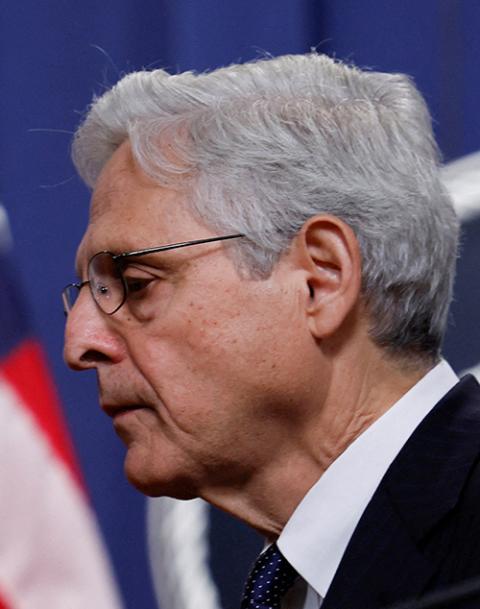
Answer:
(51, 556)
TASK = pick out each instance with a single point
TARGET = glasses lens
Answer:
(106, 282)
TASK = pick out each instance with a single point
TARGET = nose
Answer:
(90, 338)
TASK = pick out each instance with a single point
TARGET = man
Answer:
(264, 287)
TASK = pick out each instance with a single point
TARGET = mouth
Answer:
(118, 411)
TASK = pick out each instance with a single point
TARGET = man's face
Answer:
(204, 373)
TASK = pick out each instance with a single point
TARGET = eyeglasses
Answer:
(107, 284)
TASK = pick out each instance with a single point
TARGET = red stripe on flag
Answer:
(3, 605)
(25, 368)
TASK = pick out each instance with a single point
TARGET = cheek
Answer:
(207, 354)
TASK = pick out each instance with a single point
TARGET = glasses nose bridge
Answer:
(79, 287)
(70, 295)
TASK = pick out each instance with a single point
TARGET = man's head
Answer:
(331, 175)
(267, 145)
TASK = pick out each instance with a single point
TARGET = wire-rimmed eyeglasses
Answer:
(107, 284)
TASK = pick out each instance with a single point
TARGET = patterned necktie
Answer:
(270, 578)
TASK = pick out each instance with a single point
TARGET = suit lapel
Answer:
(384, 561)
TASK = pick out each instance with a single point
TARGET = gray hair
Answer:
(266, 145)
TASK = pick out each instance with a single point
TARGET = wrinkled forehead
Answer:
(111, 204)
(120, 175)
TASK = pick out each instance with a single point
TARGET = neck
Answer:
(354, 398)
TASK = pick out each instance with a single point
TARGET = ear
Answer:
(329, 254)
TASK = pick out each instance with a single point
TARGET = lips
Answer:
(116, 410)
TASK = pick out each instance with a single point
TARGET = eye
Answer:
(137, 278)
(137, 284)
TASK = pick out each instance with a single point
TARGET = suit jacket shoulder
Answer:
(420, 530)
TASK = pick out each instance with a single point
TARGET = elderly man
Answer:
(263, 291)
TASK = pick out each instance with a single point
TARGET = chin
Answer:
(156, 482)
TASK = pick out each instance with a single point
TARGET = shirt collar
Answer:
(317, 534)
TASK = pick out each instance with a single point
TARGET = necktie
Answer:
(270, 578)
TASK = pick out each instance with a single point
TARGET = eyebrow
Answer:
(162, 264)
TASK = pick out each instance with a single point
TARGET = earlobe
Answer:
(330, 256)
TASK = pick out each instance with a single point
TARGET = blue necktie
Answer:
(270, 578)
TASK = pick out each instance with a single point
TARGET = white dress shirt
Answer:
(317, 534)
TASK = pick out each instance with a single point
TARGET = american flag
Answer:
(51, 554)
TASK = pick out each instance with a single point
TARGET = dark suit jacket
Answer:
(421, 529)
(465, 595)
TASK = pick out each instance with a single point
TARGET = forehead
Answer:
(130, 211)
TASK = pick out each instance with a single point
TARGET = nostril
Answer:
(92, 356)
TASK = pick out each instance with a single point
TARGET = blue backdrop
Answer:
(55, 55)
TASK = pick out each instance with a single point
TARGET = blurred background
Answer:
(56, 55)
